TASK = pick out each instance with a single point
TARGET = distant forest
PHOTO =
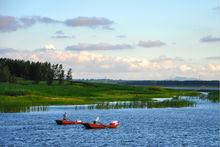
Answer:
(168, 83)
(11, 69)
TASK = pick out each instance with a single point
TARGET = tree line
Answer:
(11, 69)
(214, 83)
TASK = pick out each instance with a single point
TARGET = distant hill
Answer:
(167, 83)
(178, 78)
(179, 82)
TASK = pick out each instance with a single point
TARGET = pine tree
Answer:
(60, 74)
(69, 75)
(5, 74)
(50, 75)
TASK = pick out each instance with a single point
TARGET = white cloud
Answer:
(185, 68)
(214, 67)
(49, 46)
(92, 65)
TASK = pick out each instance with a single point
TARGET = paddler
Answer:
(65, 116)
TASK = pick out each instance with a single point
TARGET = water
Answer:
(187, 126)
(154, 103)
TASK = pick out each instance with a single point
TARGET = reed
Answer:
(25, 93)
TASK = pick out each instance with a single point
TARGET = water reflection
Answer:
(121, 105)
(155, 103)
(132, 104)
(23, 109)
(107, 105)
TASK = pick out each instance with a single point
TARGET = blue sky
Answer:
(146, 30)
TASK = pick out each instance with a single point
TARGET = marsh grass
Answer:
(214, 96)
(176, 103)
(24, 93)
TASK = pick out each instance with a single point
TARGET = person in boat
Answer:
(96, 120)
(65, 116)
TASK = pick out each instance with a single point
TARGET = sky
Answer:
(116, 39)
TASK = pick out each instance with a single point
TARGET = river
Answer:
(186, 126)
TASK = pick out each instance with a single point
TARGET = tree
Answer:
(56, 71)
(5, 74)
(12, 79)
(11, 69)
(50, 76)
(61, 77)
(60, 74)
(35, 72)
(69, 75)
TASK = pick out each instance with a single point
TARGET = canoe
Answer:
(68, 122)
(113, 124)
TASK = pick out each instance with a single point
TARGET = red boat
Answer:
(68, 122)
(113, 124)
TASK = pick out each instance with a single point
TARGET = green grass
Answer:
(144, 104)
(214, 96)
(170, 103)
(24, 93)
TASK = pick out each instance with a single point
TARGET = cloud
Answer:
(149, 43)
(213, 58)
(49, 46)
(62, 37)
(165, 58)
(59, 32)
(92, 22)
(185, 68)
(46, 19)
(99, 46)
(216, 8)
(10, 23)
(6, 50)
(93, 65)
(210, 39)
(214, 67)
(121, 36)
(107, 27)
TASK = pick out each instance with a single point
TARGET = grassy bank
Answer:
(214, 96)
(24, 93)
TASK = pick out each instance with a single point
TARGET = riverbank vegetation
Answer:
(214, 96)
(25, 93)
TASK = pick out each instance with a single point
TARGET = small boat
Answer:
(113, 124)
(68, 122)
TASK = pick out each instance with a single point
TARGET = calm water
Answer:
(188, 126)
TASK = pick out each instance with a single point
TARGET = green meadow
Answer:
(14, 96)
(214, 96)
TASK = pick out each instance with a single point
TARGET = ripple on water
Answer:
(194, 126)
